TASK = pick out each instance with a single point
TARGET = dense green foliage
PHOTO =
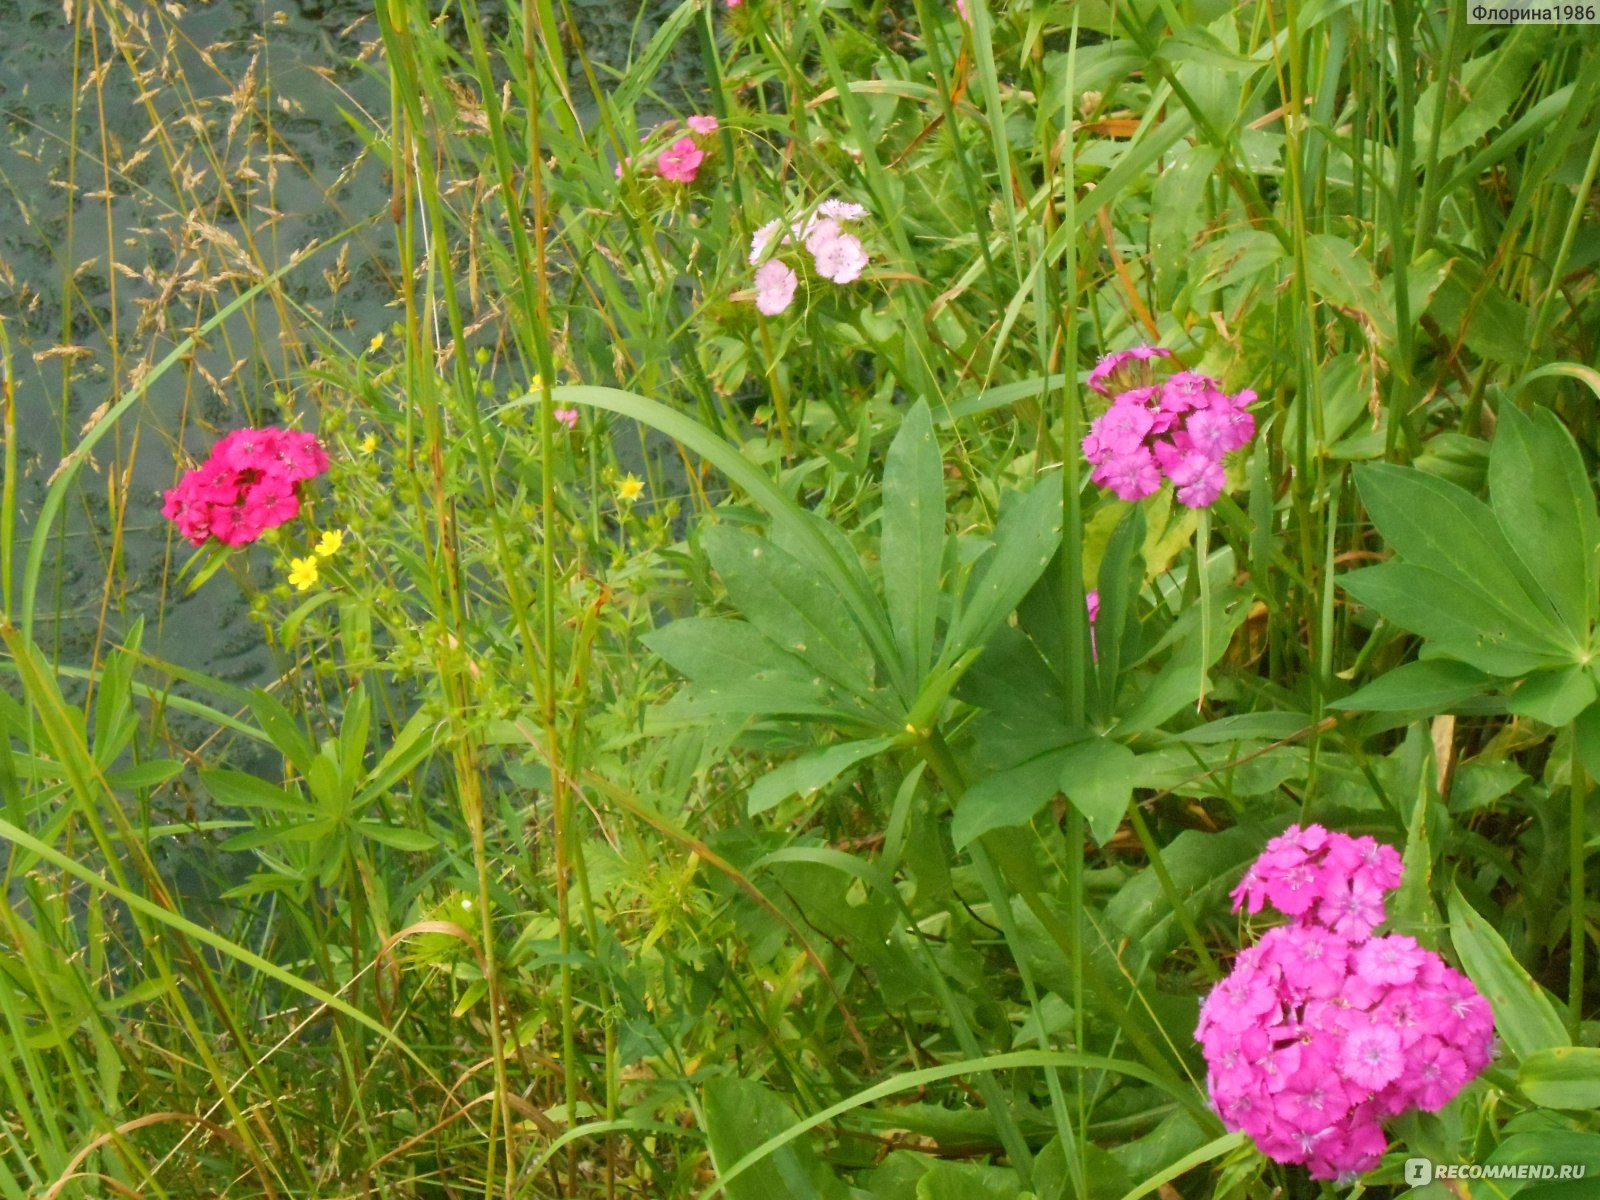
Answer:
(696, 773)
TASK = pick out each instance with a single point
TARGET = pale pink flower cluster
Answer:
(1180, 427)
(838, 256)
(1323, 1031)
(249, 484)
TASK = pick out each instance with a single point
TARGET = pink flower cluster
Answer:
(1180, 428)
(249, 484)
(680, 161)
(1322, 1031)
(838, 256)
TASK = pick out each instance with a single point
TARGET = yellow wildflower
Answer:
(630, 489)
(376, 343)
(369, 443)
(303, 572)
(328, 544)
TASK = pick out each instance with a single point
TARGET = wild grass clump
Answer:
(751, 700)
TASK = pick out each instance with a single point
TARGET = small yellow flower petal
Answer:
(328, 544)
(630, 489)
(302, 572)
(369, 443)
(376, 343)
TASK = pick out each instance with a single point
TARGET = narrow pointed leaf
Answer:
(1524, 1016)
(913, 538)
(811, 771)
(1098, 777)
(789, 604)
(1024, 542)
(1542, 497)
(1432, 685)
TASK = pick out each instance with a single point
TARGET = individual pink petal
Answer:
(775, 285)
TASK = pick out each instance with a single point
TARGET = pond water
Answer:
(152, 152)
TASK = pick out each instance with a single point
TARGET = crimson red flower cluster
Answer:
(249, 485)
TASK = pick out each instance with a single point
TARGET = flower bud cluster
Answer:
(1322, 1031)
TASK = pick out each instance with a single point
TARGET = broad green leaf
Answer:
(1098, 777)
(1554, 697)
(1586, 729)
(740, 1116)
(1175, 686)
(238, 790)
(763, 694)
(1203, 867)
(811, 771)
(1434, 524)
(1457, 622)
(1543, 499)
(1562, 1077)
(913, 539)
(788, 603)
(1550, 1151)
(1523, 1014)
(327, 783)
(353, 729)
(398, 836)
(411, 745)
(150, 773)
(282, 729)
(1007, 797)
(1024, 542)
(717, 649)
(1339, 274)
(1490, 84)
(1115, 630)
(968, 1181)
(1432, 685)
(1178, 214)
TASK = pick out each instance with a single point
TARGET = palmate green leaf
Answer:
(1458, 622)
(811, 771)
(1542, 497)
(792, 607)
(741, 1116)
(913, 538)
(1523, 1014)
(1562, 1077)
(1432, 685)
(1435, 525)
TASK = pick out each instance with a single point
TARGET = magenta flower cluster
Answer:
(1322, 1031)
(1180, 428)
(249, 484)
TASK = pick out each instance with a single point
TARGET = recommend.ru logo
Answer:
(1422, 1171)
